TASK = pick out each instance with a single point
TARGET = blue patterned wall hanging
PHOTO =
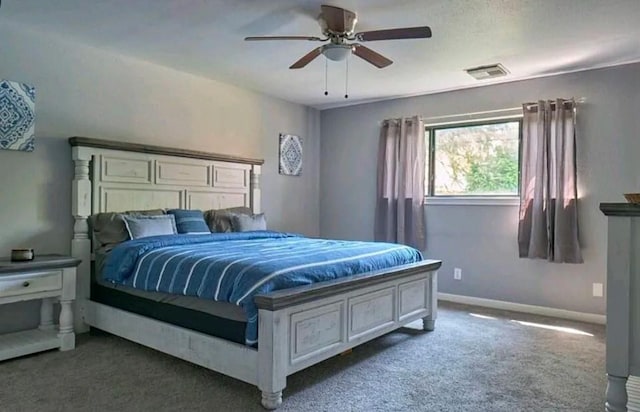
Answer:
(290, 155)
(17, 116)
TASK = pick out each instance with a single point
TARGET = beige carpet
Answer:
(469, 363)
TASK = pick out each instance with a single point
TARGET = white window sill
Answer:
(471, 201)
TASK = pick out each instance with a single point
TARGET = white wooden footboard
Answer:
(303, 326)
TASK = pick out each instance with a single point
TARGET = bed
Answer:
(295, 325)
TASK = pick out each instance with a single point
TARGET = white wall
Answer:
(83, 91)
(482, 239)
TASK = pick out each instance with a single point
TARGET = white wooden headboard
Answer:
(115, 177)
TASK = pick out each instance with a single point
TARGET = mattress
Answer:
(211, 307)
(220, 319)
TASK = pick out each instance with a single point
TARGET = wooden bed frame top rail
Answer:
(295, 296)
(160, 150)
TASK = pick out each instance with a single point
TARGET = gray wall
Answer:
(482, 239)
(82, 91)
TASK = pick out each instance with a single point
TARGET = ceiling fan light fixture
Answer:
(337, 52)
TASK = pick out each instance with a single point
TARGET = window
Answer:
(474, 159)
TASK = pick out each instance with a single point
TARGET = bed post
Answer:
(255, 188)
(272, 357)
(81, 244)
(429, 322)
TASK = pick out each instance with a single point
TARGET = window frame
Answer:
(479, 199)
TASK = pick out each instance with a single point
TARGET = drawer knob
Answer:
(26, 284)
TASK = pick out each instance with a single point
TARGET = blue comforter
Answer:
(234, 267)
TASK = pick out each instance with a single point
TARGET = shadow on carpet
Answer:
(476, 360)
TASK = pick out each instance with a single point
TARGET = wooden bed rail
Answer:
(295, 296)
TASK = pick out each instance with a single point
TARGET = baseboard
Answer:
(519, 307)
(633, 389)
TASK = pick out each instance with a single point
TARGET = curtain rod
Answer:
(496, 112)
(553, 103)
(473, 114)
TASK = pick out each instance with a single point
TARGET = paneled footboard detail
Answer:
(414, 298)
(316, 331)
(320, 330)
(319, 321)
(371, 311)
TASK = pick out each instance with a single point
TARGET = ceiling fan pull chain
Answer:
(326, 65)
(346, 81)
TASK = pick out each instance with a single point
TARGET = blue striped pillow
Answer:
(189, 221)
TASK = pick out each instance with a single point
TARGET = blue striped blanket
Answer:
(234, 267)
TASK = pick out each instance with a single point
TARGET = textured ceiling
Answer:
(205, 37)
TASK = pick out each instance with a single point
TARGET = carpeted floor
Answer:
(469, 363)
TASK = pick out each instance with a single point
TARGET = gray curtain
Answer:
(548, 227)
(400, 197)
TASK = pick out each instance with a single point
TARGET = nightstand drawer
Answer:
(30, 283)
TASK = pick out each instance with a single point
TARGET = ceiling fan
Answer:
(338, 27)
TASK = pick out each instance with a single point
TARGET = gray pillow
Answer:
(219, 220)
(145, 226)
(109, 228)
(245, 223)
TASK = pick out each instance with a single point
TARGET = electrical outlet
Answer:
(457, 273)
(598, 290)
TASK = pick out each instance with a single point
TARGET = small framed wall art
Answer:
(17, 116)
(290, 155)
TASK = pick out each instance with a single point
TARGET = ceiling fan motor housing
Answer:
(342, 22)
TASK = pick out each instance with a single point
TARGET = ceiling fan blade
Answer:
(338, 19)
(307, 58)
(258, 38)
(372, 57)
(395, 34)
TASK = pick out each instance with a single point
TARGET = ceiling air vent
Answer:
(487, 72)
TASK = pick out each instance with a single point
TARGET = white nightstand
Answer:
(49, 278)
